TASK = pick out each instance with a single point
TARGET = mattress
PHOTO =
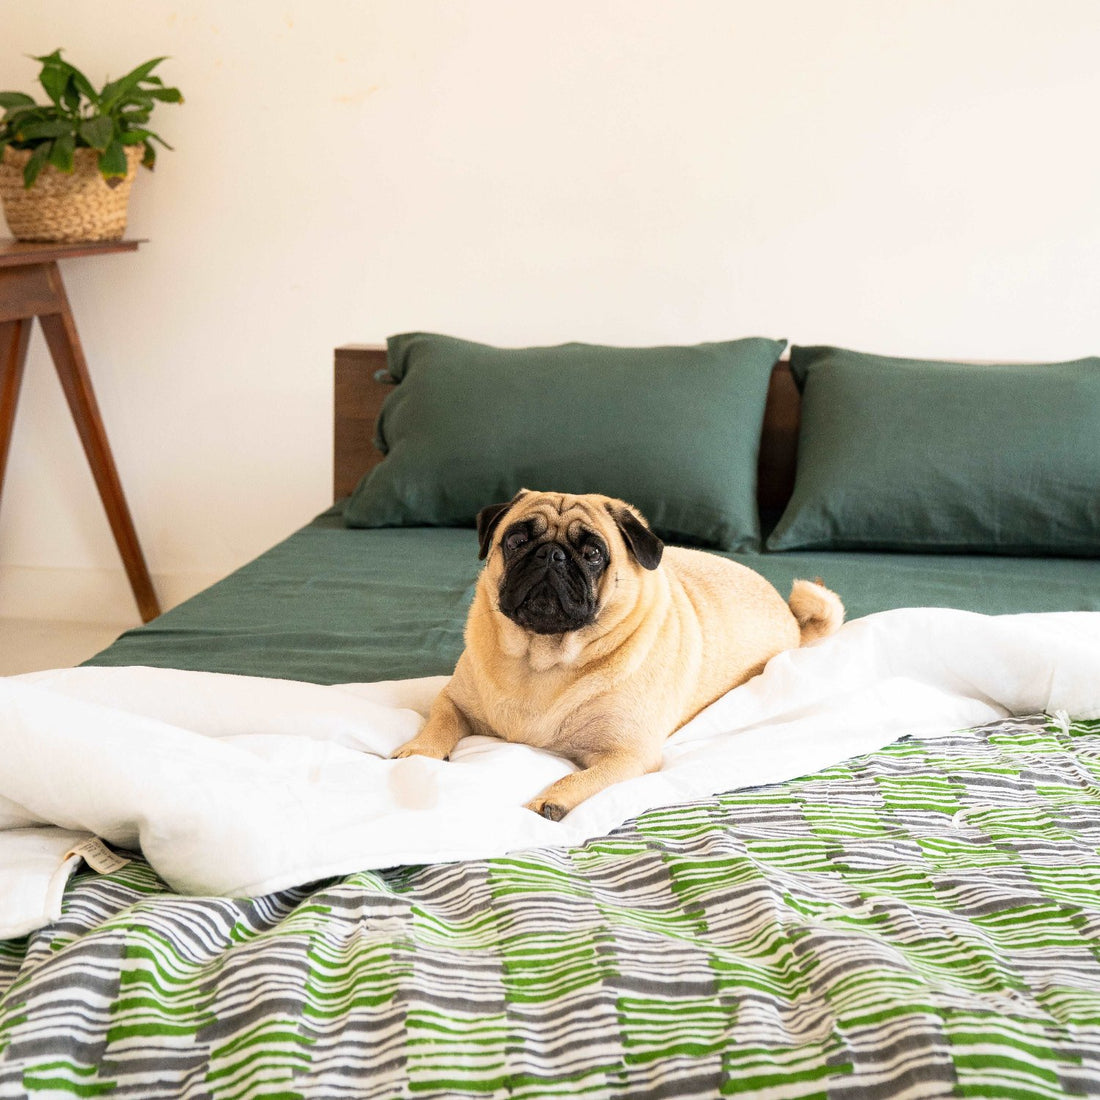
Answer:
(922, 921)
(334, 605)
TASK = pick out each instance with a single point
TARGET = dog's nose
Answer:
(550, 553)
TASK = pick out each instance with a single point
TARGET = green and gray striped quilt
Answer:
(921, 922)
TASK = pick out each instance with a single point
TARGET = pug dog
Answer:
(588, 637)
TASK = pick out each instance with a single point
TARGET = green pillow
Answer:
(673, 430)
(905, 454)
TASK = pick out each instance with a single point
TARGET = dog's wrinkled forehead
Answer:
(554, 515)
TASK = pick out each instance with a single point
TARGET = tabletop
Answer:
(17, 253)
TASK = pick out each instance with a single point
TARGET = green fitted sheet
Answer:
(335, 605)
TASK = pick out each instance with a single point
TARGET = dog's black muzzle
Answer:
(546, 591)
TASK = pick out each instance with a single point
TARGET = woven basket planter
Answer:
(60, 206)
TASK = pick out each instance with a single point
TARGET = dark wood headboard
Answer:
(362, 382)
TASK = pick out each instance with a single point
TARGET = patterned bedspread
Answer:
(924, 921)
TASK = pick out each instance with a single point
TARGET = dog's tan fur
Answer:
(665, 643)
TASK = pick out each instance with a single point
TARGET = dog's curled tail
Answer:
(818, 611)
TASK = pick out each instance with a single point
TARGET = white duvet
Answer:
(238, 785)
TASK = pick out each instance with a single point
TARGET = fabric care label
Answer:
(97, 855)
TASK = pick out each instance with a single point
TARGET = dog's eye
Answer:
(514, 539)
(593, 554)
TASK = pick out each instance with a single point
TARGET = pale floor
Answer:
(28, 645)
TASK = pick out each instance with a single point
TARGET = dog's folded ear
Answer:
(487, 521)
(646, 547)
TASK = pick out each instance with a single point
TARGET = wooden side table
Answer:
(30, 286)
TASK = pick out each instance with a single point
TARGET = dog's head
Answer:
(558, 555)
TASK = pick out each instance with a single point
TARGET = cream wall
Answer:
(908, 176)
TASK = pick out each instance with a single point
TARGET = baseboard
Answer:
(87, 595)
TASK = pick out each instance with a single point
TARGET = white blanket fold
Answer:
(239, 785)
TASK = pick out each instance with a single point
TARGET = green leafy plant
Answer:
(79, 117)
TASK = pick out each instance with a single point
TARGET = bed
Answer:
(918, 920)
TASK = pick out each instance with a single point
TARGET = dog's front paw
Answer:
(544, 808)
(419, 746)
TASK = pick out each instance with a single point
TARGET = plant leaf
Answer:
(83, 85)
(54, 78)
(112, 163)
(157, 137)
(141, 105)
(34, 131)
(97, 131)
(33, 166)
(166, 95)
(61, 156)
(26, 111)
(71, 96)
(149, 157)
(80, 82)
(16, 99)
(117, 89)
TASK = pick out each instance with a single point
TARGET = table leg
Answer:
(14, 338)
(72, 369)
